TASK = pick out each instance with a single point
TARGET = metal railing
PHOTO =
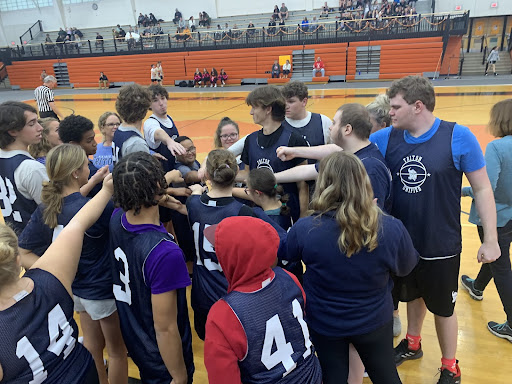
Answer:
(322, 32)
(33, 31)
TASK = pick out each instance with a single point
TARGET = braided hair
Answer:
(139, 180)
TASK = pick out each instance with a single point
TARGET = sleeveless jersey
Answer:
(39, 336)
(426, 191)
(16, 208)
(133, 298)
(313, 132)
(117, 143)
(208, 281)
(162, 148)
(279, 349)
(266, 158)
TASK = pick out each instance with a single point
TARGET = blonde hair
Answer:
(500, 124)
(41, 149)
(9, 269)
(221, 167)
(102, 121)
(343, 186)
(379, 109)
(61, 162)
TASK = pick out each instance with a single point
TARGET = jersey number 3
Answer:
(57, 322)
(8, 197)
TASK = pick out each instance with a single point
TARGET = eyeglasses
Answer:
(113, 124)
(191, 149)
(247, 190)
(230, 136)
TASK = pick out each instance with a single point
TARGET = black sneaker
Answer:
(501, 330)
(448, 377)
(469, 285)
(403, 353)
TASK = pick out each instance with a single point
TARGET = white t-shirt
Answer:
(150, 127)
(154, 74)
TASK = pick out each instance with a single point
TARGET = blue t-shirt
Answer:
(103, 156)
(349, 296)
(427, 177)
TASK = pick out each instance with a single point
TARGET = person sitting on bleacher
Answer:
(222, 77)
(177, 16)
(325, 10)
(318, 67)
(272, 26)
(284, 12)
(305, 24)
(99, 41)
(277, 14)
(140, 19)
(251, 29)
(276, 70)
(198, 77)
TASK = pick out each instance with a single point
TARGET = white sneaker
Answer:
(397, 326)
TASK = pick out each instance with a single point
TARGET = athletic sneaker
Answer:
(448, 377)
(403, 353)
(501, 330)
(469, 284)
(397, 326)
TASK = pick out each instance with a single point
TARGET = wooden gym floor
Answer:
(483, 357)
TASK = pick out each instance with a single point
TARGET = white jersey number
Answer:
(57, 322)
(8, 197)
(123, 293)
(207, 247)
(274, 333)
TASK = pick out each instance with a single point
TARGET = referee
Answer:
(45, 100)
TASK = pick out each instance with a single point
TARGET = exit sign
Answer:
(458, 7)
(494, 4)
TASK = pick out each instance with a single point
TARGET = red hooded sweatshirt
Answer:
(247, 249)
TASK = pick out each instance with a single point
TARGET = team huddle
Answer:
(368, 202)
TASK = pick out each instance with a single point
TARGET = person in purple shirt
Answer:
(150, 274)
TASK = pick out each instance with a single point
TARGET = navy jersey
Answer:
(277, 327)
(97, 187)
(93, 278)
(16, 208)
(208, 281)
(426, 190)
(260, 157)
(39, 336)
(117, 143)
(133, 298)
(313, 132)
(162, 148)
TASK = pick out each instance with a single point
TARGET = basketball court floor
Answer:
(484, 358)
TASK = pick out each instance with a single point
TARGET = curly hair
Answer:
(268, 96)
(41, 149)
(263, 180)
(295, 89)
(138, 179)
(12, 118)
(73, 127)
(412, 89)
(158, 90)
(221, 167)
(133, 103)
(343, 186)
(224, 121)
(379, 110)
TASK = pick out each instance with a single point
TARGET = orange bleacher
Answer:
(398, 58)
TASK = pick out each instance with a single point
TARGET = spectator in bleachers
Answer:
(122, 32)
(282, 27)
(235, 32)
(313, 25)
(214, 75)
(218, 33)
(103, 81)
(43, 75)
(198, 77)
(130, 40)
(99, 41)
(192, 24)
(287, 67)
(325, 10)
(206, 77)
(49, 45)
(78, 32)
(207, 19)
(69, 32)
(140, 19)
(181, 23)
(277, 14)
(226, 30)
(305, 24)
(78, 41)
(62, 33)
(222, 77)
(60, 43)
(177, 16)
(276, 70)
(251, 29)
(272, 26)
(157, 30)
(318, 67)
(152, 19)
(284, 11)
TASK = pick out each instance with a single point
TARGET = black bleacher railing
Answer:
(33, 31)
(323, 32)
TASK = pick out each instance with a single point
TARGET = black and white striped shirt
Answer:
(44, 96)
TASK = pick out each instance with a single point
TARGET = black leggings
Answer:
(375, 349)
(92, 374)
(499, 270)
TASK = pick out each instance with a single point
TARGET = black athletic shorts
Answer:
(434, 280)
(43, 115)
